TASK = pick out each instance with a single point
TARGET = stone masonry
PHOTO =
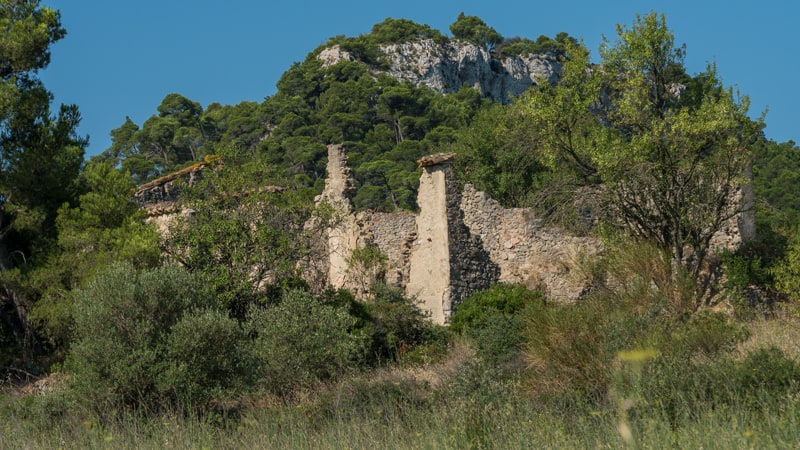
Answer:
(459, 243)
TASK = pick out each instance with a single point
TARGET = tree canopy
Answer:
(40, 157)
(671, 151)
(475, 30)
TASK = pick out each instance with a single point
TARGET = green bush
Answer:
(209, 357)
(401, 330)
(301, 341)
(505, 299)
(492, 320)
(150, 339)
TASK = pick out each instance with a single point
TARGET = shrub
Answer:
(209, 357)
(680, 388)
(644, 306)
(491, 319)
(301, 341)
(505, 299)
(401, 330)
(566, 348)
(709, 333)
(767, 370)
(150, 339)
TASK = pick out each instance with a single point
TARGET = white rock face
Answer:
(446, 67)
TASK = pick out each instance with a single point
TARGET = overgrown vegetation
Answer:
(215, 334)
(611, 371)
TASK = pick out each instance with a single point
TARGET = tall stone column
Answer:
(429, 274)
(342, 238)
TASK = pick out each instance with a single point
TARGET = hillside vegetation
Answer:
(215, 334)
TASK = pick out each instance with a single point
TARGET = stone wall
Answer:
(459, 243)
(525, 249)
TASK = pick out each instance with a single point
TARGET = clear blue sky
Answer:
(120, 58)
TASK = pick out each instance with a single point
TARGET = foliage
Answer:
(503, 299)
(385, 125)
(494, 155)
(40, 158)
(28, 31)
(302, 341)
(787, 272)
(776, 175)
(517, 46)
(494, 320)
(643, 305)
(152, 339)
(209, 358)
(671, 151)
(400, 330)
(763, 380)
(105, 226)
(475, 30)
(241, 238)
(397, 31)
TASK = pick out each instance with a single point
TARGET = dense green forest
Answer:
(213, 334)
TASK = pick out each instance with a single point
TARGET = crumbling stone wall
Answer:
(525, 249)
(460, 241)
(394, 234)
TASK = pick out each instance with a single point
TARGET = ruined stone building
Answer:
(460, 242)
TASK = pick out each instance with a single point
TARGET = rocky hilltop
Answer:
(445, 67)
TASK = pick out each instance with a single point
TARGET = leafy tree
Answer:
(494, 154)
(40, 156)
(241, 126)
(106, 226)
(475, 30)
(671, 156)
(177, 135)
(776, 174)
(241, 238)
(397, 31)
(123, 143)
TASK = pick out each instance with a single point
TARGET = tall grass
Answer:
(509, 421)
(630, 366)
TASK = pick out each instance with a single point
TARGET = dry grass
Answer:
(781, 330)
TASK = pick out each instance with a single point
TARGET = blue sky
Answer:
(120, 58)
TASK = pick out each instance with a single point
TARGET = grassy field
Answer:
(456, 403)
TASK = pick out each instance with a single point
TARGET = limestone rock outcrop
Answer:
(446, 67)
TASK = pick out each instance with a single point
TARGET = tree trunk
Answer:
(13, 310)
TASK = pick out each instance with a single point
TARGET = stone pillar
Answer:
(429, 274)
(448, 262)
(342, 238)
(747, 220)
